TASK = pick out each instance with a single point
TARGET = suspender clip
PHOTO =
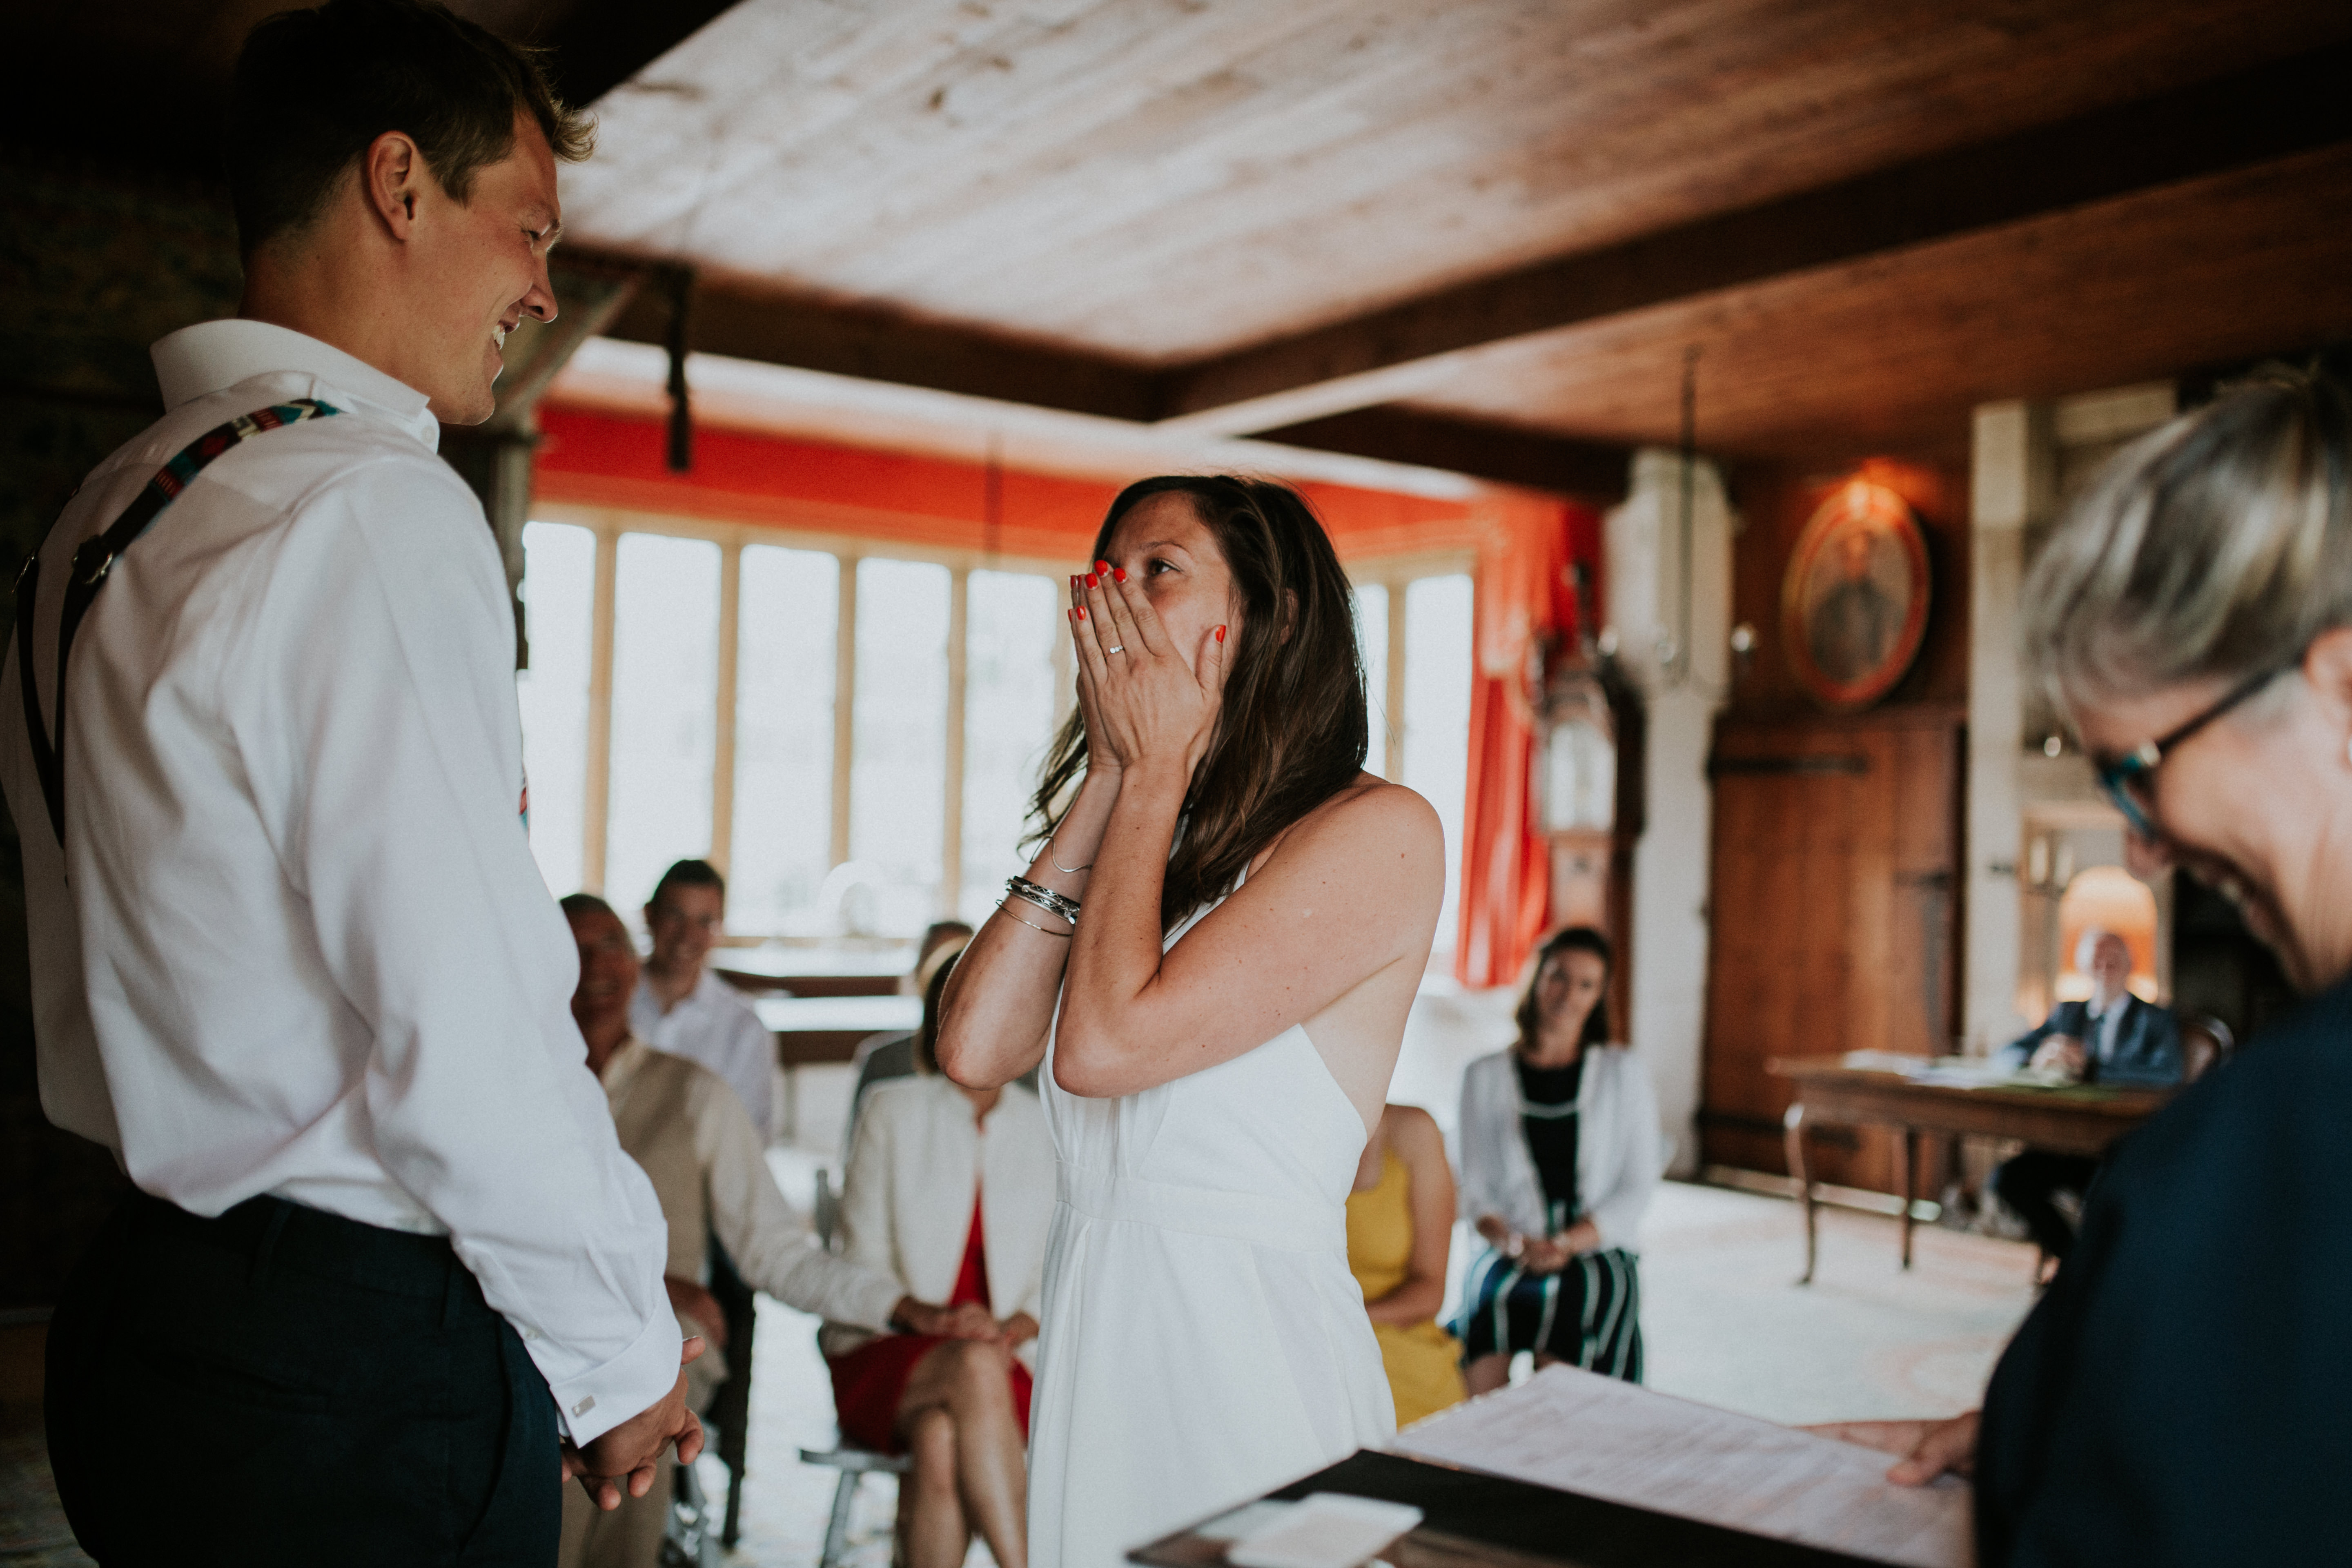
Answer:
(93, 561)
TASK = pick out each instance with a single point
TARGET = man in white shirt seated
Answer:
(679, 1121)
(682, 1008)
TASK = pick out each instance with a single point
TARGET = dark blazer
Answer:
(2183, 1393)
(2147, 1043)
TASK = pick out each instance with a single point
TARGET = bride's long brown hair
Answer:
(1292, 730)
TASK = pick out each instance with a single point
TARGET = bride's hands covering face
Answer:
(1152, 629)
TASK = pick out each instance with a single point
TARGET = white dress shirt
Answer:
(679, 1120)
(918, 1157)
(295, 941)
(714, 1025)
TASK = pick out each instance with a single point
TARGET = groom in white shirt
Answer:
(388, 1273)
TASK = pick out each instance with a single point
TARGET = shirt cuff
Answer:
(636, 1380)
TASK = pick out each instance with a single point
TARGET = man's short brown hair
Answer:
(315, 88)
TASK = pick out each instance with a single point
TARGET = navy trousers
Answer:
(284, 1386)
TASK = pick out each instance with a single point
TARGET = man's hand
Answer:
(2062, 1054)
(691, 1300)
(1928, 1448)
(1017, 1329)
(1542, 1255)
(626, 1455)
(969, 1322)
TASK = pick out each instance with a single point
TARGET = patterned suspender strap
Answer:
(96, 558)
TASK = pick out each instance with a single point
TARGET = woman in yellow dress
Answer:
(1399, 1227)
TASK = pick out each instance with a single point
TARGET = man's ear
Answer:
(390, 172)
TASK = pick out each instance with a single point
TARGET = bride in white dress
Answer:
(1218, 1023)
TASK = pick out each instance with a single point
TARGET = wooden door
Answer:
(1833, 919)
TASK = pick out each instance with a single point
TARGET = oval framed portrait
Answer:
(1853, 606)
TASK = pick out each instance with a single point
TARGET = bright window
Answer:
(1372, 649)
(559, 597)
(1437, 730)
(879, 825)
(897, 780)
(665, 710)
(787, 630)
(1013, 623)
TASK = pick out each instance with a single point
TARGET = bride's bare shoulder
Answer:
(1370, 822)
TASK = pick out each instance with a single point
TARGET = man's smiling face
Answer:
(483, 266)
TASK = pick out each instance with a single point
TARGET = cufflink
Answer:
(584, 1406)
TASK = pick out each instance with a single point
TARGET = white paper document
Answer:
(1622, 1443)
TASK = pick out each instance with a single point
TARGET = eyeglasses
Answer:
(2130, 780)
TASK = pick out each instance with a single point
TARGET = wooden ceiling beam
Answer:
(1593, 472)
(742, 321)
(2253, 116)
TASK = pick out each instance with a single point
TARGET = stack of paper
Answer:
(1603, 1438)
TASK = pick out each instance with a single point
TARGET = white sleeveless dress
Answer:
(1202, 1341)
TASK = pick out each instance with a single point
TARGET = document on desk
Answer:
(1604, 1438)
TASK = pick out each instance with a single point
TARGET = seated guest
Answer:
(682, 1008)
(952, 1191)
(1560, 1158)
(891, 1053)
(1400, 1228)
(2178, 1396)
(2113, 1039)
(690, 1133)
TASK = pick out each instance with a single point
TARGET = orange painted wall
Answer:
(597, 458)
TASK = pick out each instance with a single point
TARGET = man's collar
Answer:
(213, 356)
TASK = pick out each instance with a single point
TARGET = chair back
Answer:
(2205, 1042)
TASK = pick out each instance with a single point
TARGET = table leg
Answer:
(792, 1102)
(1906, 1149)
(1794, 1121)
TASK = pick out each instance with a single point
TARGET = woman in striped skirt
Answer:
(1560, 1152)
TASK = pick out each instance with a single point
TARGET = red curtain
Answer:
(1524, 592)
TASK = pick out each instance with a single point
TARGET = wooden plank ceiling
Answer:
(1479, 234)
(1388, 225)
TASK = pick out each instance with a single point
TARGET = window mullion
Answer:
(845, 703)
(722, 750)
(596, 798)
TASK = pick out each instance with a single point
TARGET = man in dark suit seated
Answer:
(2113, 1038)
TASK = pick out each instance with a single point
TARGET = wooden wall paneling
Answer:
(1828, 932)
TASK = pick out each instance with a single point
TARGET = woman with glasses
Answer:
(2180, 1393)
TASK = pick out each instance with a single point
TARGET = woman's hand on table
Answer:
(1144, 700)
(1927, 1448)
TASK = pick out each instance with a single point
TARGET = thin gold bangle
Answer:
(1033, 925)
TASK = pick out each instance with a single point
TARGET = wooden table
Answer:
(2082, 1120)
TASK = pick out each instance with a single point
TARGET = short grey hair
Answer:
(2217, 546)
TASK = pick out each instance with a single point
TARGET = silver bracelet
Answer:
(1033, 925)
(1065, 871)
(1045, 898)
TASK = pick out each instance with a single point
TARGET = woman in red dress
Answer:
(954, 1187)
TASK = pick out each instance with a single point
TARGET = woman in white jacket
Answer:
(1561, 1153)
(954, 1187)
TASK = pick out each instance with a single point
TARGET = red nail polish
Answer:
(1102, 565)
(1082, 611)
(1093, 581)
(1119, 574)
(1221, 634)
